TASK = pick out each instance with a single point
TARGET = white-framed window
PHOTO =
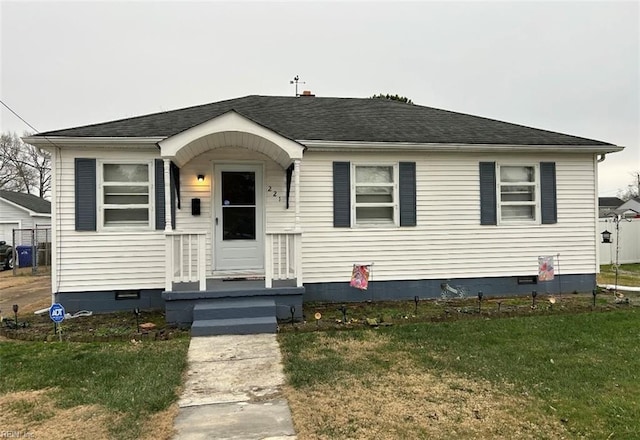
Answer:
(518, 193)
(125, 194)
(375, 194)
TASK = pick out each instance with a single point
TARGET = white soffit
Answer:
(230, 130)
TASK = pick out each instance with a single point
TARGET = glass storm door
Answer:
(238, 218)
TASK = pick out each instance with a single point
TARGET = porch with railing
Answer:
(186, 259)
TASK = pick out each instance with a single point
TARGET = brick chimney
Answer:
(307, 93)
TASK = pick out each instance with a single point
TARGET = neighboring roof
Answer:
(27, 201)
(336, 119)
(609, 201)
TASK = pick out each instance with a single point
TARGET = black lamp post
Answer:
(533, 298)
(343, 309)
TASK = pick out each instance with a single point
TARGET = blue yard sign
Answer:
(56, 313)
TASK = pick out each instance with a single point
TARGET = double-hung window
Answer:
(375, 195)
(126, 195)
(518, 193)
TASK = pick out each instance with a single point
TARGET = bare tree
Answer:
(633, 189)
(23, 167)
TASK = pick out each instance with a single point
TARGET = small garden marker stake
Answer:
(533, 299)
(594, 293)
(343, 309)
(292, 309)
(499, 304)
(15, 313)
(416, 299)
(318, 316)
(480, 295)
(136, 312)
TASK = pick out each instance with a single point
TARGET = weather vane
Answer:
(296, 81)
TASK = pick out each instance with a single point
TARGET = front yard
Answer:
(124, 390)
(538, 377)
(521, 367)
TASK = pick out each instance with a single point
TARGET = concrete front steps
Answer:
(241, 316)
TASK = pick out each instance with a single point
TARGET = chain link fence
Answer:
(32, 248)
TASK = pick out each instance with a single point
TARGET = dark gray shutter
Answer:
(342, 194)
(488, 212)
(548, 202)
(407, 186)
(159, 184)
(85, 181)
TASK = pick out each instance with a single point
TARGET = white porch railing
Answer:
(283, 257)
(186, 258)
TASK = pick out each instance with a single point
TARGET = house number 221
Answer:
(274, 193)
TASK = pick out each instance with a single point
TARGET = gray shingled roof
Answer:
(28, 201)
(336, 119)
(609, 201)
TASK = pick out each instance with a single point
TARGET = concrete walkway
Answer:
(232, 390)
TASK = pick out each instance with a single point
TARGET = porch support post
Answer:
(297, 238)
(167, 195)
(296, 177)
(168, 253)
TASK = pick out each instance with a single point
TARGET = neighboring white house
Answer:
(630, 208)
(22, 211)
(298, 189)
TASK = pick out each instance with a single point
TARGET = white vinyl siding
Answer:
(105, 259)
(448, 240)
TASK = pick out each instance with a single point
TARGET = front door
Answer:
(238, 218)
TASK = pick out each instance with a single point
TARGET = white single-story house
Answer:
(22, 211)
(276, 198)
(630, 208)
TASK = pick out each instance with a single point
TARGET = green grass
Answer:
(136, 379)
(628, 274)
(583, 369)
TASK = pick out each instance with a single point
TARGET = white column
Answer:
(167, 195)
(297, 238)
(296, 180)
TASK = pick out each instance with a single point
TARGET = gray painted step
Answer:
(247, 308)
(234, 326)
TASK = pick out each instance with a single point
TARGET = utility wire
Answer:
(19, 117)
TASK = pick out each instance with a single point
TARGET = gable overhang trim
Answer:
(352, 146)
(25, 209)
(129, 142)
(187, 144)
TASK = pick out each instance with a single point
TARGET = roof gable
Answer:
(27, 201)
(336, 119)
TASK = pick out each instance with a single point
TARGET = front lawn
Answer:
(628, 275)
(121, 390)
(550, 376)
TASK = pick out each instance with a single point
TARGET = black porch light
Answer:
(606, 236)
